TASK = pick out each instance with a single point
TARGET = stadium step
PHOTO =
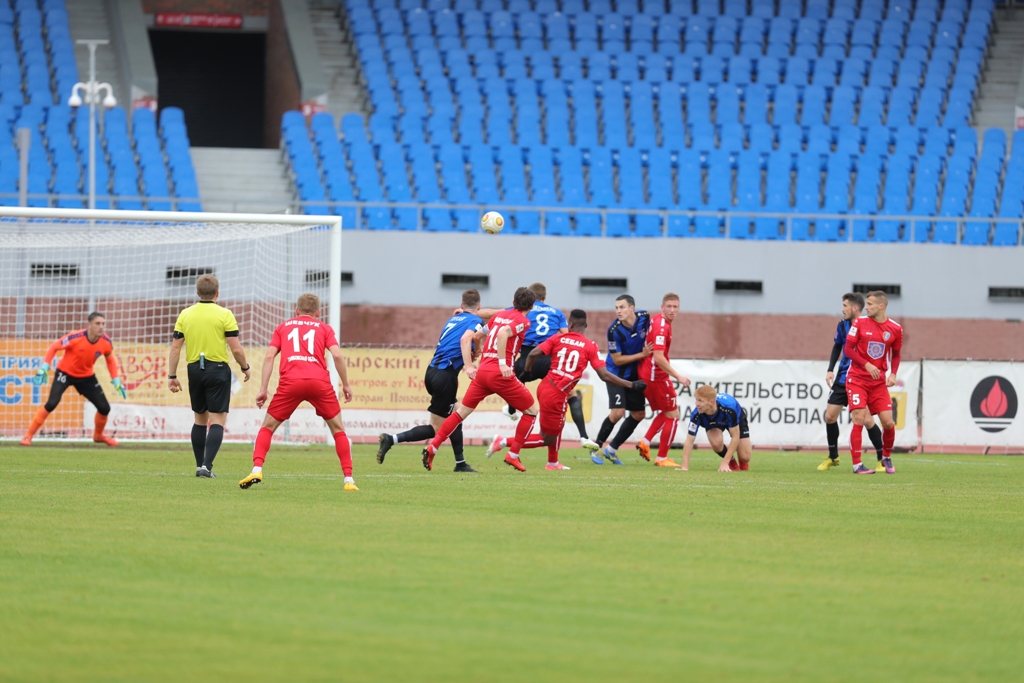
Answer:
(89, 20)
(345, 93)
(1002, 73)
(241, 180)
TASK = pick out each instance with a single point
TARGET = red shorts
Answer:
(489, 381)
(321, 395)
(875, 397)
(661, 395)
(553, 403)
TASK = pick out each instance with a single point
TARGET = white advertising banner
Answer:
(972, 403)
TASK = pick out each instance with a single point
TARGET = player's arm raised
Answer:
(501, 344)
(267, 373)
(342, 367)
(666, 365)
(466, 345)
(172, 363)
(609, 378)
(730, 450)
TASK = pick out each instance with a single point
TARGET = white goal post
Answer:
(139, 268)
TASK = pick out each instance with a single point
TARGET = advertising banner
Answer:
(972, 403)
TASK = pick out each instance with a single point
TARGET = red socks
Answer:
(523, 430)
(668, 434)
(553, 452)
(856, 438)
(447, 427)
(888, 439)
(344, 451)
(535, 441)
(656, 424)
(259, 453)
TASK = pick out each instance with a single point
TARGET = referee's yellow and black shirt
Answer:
(205, 327)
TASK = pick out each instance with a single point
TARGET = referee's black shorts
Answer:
(539, 369)
(443, 387)
(209, 387)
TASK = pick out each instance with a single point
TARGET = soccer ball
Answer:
(492, 222)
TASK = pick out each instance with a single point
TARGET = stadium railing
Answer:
(54, 201)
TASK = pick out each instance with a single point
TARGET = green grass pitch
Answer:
(120, 565)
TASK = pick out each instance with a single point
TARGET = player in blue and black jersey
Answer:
(853, 304)
(627, 346)
(719, 413)
(454, 353)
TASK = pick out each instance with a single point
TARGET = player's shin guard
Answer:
(606, 430)
(875, 434)
(199, 443)
(37, 421)
(888, 439)
(456, 439)
(213, 441)
(668, 434)
(523, 430)
(344, 451)
(450, 424)
(259, 453)
(576, 410)
(99, 424)
(856, 439)
(625, 431)
(832, 434)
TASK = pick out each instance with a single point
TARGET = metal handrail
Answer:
(52, 198)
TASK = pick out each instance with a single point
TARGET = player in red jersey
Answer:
(873, 347)
(506, 330)
(302, 342)
(658, 372)
(81, 349)
(570, 354)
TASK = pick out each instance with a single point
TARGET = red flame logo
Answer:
(995, 403)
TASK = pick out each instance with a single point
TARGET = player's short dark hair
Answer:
(523, 299)
(578, 314)
(855, 298)
(627, 298)
(671, 296)
(207, 286)
(308, 303)
(878, 294)
(540, 290)
(471, 299)
(94, 315)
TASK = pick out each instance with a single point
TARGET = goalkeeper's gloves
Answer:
(41, 374)
(639, 385)
(119, 387)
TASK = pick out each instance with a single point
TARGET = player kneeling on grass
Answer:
(718, 413)
(81, 349)
(570, 353)
(504, 338)
(302, 342)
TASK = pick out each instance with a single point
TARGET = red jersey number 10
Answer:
(568, 361)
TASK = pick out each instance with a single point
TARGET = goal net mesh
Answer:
(140, 274)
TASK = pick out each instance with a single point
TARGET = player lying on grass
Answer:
(454, 352)
(656, 369)
(494, 376)
(873, 346)
(303, 342)
(718, 413)
(81, 350)
(568, 355)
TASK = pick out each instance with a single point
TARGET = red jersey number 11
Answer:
(308, 338)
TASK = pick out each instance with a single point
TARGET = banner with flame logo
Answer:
(972, 403)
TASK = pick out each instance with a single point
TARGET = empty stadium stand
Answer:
(858, 112)
(141, 166)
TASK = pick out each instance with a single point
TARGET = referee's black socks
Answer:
(199, 443)
(213, 440)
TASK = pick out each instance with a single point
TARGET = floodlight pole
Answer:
(92, 93)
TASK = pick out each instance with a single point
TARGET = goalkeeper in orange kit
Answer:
(81, 351)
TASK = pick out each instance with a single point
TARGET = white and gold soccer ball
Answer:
(492, 222)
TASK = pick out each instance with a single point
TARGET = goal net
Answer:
(139, 270)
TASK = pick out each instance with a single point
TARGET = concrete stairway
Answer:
(337, 55)
(89, 21)
(994, 108)
(242, 180)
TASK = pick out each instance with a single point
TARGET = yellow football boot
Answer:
(351, 486)
(254, 478)
(828, 464)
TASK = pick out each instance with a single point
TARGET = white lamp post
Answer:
(89, 93)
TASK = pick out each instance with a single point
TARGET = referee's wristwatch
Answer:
(246, 368)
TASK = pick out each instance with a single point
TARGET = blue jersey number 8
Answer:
(542, 325)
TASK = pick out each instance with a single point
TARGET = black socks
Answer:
(213, 440)
(199, 443)
(832, 433)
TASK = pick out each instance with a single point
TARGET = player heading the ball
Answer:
(303, 342)
(81, 349)
(718, 413)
